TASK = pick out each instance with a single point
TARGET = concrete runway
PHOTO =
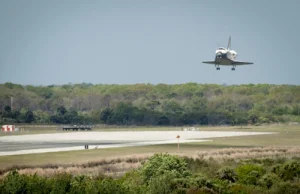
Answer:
(15, 146)
(41, 143)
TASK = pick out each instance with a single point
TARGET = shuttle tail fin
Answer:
(229, 43)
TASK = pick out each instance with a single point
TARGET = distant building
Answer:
(8, 128)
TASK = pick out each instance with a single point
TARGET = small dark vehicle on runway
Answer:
(77, 128)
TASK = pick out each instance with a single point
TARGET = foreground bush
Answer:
(14, 183)
(289, 170)
(227, 173)
(249, 173)
(164, 173)
(159, 164)
(268, 180)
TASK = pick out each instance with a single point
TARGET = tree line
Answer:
(147, 104)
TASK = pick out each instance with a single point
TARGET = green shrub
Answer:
(162, 184)
(199, 181)
(289, 170)
(14, 183)
(286, 188)
(276, 169)
(133, 181)
(83, 184)
(195, 165)
(168, 183)
(77, 185)
(109, 185)
(159, 164)
(183, 183)
(220, 186)
(245, 189)
(207, 167)
(268, 180)
(268, 162)
(60, 183)
(203, 190)
(249, 173)
(1, 186)
(37, 184)
(227, 173)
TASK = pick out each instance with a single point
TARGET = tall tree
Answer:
(29, 117)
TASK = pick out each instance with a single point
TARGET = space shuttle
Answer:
(226, 57)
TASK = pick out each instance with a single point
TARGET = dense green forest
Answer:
(164, 174)
(147, 104)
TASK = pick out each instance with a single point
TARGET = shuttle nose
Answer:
(219, 55)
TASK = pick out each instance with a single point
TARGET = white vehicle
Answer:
(226, 57)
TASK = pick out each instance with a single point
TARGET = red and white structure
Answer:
(8, 128)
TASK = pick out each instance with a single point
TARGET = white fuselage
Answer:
(225, 56)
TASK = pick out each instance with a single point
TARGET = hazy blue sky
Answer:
(125, 42)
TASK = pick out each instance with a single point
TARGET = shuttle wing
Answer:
(241, 63)
(209, 62)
